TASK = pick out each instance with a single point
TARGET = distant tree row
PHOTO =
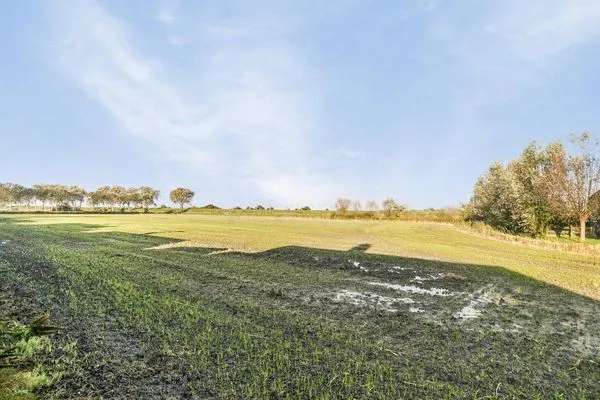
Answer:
(389, 206)
(52, 195)
(544, 188)
(122, 197)
(62, 197)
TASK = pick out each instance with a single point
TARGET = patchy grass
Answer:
(195, 306)
(22, 352)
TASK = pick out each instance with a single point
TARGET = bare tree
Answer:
(342, 205)
(391, 207)
(356, 206)
(572, 182)
(372, 205)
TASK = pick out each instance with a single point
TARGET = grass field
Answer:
(208, 306)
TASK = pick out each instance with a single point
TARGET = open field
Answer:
(206, 306)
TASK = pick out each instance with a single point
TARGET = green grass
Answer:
(154, 306)
(22, 349)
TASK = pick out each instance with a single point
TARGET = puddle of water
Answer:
(356, 264)
(370, 299)
(478, 301)
(414, 289)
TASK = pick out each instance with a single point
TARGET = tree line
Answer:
(389, 206)
(545, 188)
(64, 198)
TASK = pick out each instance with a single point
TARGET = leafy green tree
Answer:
(532, 209)
(494, 199)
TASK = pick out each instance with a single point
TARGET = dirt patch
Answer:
(585, 344)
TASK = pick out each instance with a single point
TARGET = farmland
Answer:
(233, 306)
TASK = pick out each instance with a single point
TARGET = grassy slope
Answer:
(186, 320)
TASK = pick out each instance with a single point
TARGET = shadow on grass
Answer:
(545, 326)
(297, 256)
(361, 248)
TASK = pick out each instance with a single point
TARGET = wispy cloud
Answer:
(248, 116)
(506, 48)
(540, 29)
(496, 54)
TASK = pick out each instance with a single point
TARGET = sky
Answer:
(291, 103)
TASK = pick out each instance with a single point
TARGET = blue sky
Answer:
(288, 103)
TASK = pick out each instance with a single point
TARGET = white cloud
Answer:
(249, 122)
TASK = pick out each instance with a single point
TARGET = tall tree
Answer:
(181, 196)
(372, 205)
(101, 197)
(572, 181)
(391, 206)
(13, 193)
(41, 193)
(75, 196)
(147, 196)
(494, 200)
(342, 205)
(4, 194)
(531, 209)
